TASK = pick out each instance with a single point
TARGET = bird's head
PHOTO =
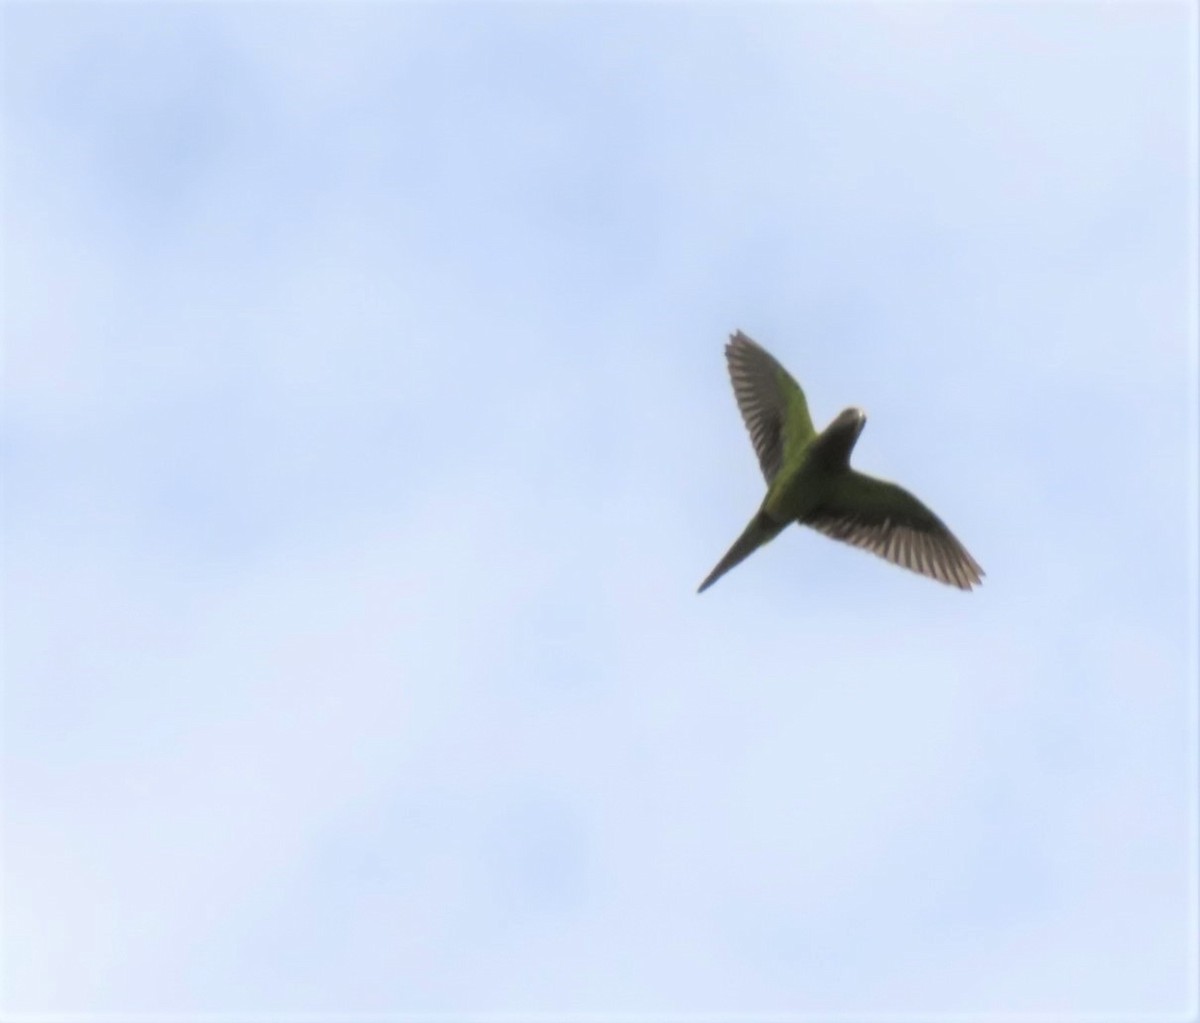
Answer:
(850, 421)
(834, 445)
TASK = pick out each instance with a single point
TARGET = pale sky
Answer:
(366, 433)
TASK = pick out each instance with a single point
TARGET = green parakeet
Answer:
(809, 480)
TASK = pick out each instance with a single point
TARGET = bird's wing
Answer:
(887, 520)
(771, 402)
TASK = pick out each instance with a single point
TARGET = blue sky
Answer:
(366, 433)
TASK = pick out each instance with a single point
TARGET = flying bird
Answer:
(809, 480)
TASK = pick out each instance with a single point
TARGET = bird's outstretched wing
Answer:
(771, 402)
(887, 520)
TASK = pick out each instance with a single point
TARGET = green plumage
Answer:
(809, 480)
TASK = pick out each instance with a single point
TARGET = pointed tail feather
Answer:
(762, 529)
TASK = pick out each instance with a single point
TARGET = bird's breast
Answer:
(795, 493)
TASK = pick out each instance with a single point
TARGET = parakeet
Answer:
(809, 480)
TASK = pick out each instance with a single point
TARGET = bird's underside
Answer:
(810, 482)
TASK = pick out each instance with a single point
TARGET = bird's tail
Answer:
(762, 529)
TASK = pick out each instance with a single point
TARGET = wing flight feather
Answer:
(887, 520)
(772, 404)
